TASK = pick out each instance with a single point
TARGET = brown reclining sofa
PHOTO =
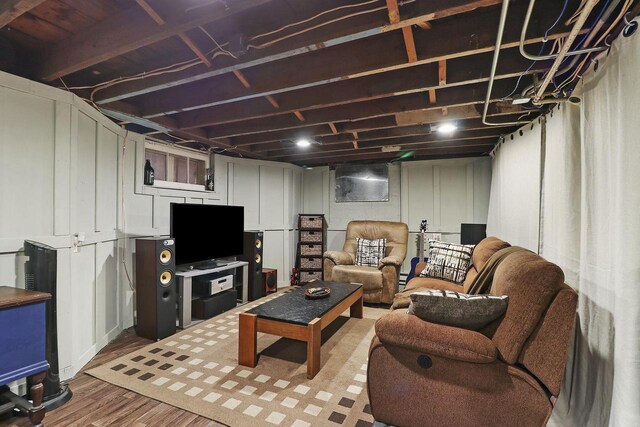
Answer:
(507, 374)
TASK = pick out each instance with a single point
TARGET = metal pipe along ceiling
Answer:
(527, 55)
(494, 65)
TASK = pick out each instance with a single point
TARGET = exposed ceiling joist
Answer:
(183, 36)
(126, 31)
(11, 9)
(242, 78)
(387, 136)
(375, 128)
(123, 117)
(404, 142)
(376, 155)
(407, 33)
(393, 83)
(463, 95)
(340, 63)
(426, 11)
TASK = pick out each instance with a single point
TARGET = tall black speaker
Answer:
(253, 244)
(40, 275)
(155, 288)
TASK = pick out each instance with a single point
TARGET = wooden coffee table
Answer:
(293, 316)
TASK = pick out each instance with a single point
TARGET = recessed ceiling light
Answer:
(447, 128)
(303, 142)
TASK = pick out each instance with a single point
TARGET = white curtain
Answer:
(514, 203)
(590, 226)
(602, 385)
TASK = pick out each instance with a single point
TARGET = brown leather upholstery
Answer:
(420, 373)
(380, 284)
(481, 254)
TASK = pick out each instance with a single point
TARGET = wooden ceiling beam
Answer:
(394, 83)
(12, 9)
(387, 124)
(451, 96)
(405, 142)
(272, 101)
(182, 36)
(168, 127)
(351, 151)
(333, 128)
(242, 78)
(454, 149)
(400, 82)
(124, 32)
(389, 136)
(422, 11)
(407, 33)
(475, 34)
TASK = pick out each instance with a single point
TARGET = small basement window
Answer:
(177, 168)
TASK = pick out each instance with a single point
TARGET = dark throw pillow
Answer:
(448, 261)
(370, 252)
(455, 309)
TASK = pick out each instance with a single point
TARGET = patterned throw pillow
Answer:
(370, 252)
(455, 309)
(448, 261)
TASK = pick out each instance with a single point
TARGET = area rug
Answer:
(197, 370)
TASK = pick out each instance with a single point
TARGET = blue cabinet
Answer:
(22, 346)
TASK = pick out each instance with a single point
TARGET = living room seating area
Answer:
(509, 373)
(295, 213)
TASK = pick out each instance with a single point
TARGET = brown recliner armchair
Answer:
(379, 284)
(508, 374)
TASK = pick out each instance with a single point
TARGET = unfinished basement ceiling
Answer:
(251, 77)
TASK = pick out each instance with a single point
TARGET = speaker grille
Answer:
(165, 278)
(165, 256)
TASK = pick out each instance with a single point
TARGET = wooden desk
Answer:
(23, 337)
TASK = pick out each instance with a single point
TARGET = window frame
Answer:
(171, 152)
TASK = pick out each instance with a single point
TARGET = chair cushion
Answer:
(448, 261)
(370, 252)
(456, 309)
(371, 278)
(430, 282)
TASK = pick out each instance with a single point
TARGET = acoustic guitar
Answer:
(420, 258)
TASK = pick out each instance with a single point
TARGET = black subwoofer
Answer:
(155, 288)
(253, 246)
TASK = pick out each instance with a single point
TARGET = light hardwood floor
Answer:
(97, 403)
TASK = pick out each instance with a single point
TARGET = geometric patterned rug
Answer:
(197, 370)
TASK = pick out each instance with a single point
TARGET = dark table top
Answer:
(293, 307)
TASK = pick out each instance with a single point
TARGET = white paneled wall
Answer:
(444, 192)
(65, 169)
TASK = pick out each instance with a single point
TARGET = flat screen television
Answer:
(206, 232)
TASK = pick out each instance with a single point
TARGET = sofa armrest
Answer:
(408, 331)
(391, 260)
(339, 257)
